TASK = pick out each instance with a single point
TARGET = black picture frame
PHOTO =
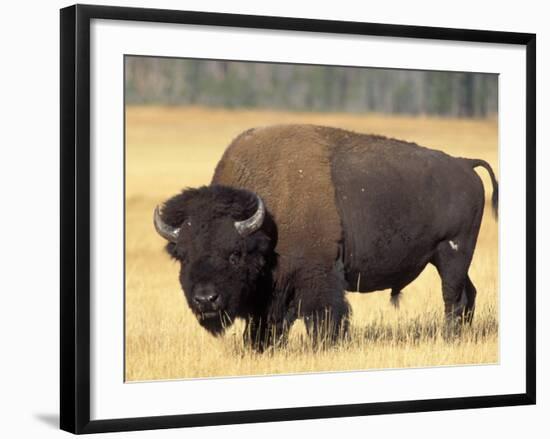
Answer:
(75, 217)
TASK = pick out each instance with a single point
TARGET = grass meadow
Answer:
(170, 148)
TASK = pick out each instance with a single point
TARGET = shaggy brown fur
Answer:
(289, 167)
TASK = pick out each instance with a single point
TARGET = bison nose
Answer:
(203, 300)
(205, 296)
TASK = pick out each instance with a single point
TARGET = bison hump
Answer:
(289, 167)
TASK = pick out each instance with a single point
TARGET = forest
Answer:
(295, 87)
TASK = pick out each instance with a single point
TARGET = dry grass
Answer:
(171, 148)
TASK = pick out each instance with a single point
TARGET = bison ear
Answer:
(172, 250)
(260, 243)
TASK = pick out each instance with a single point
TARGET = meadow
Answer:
(171, 148)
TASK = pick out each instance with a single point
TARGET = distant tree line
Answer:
(234, 84)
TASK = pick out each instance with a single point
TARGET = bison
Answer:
(296, 215)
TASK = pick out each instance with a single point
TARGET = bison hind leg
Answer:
(452, 260)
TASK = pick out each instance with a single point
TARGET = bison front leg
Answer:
(260, 334)
(325, 327)
(325, 310)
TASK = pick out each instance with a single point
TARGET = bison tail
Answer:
(494, 200)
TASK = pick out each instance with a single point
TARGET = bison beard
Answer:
(297, 214)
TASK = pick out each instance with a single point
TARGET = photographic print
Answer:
(304, 218)
(287, 218)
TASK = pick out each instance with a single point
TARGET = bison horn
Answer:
(250, 225)
(167, 232)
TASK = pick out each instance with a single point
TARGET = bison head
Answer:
(218, 235)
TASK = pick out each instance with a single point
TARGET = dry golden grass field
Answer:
(170, 148)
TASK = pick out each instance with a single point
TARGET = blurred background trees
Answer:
(233, 84)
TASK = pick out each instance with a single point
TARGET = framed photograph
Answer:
(275, 218)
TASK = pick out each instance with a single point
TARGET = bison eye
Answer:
(234, 258)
